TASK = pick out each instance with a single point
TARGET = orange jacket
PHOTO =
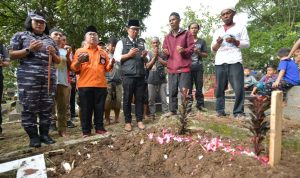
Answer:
(92, 73)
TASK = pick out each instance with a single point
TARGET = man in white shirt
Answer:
(226, 43)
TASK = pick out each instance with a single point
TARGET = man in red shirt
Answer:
(178, 46)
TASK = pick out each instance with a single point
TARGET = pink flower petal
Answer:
(241, 148)
(160, 140)
(150, 136)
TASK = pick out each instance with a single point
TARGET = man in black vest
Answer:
(130, 51)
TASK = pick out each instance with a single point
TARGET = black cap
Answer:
(133, 22)
(91, 28)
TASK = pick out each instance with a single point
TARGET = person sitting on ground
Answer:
(271, 76)
(114, 85)
(249, 80)
(288, 75)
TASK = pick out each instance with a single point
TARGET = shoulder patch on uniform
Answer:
(102, 59)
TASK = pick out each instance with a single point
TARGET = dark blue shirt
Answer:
(22, 40)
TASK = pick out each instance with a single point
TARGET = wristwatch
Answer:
(27, 50)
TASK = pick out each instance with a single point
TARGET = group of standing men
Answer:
(182, 52)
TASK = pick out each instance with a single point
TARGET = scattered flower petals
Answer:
(150, 136)
(160, 140)
(241, 148)
(142, 141)
(88, 156)
(207, 144)
(263, 159)
(200, 157)
(110, 146)
(66, 166)
(94, 143)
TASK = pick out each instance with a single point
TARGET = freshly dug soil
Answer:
(135, 155)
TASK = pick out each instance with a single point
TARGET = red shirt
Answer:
(179, 63)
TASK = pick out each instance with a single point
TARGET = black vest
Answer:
(133, 67)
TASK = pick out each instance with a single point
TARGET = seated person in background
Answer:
(271, 76)
(288, 75)
(249, 80)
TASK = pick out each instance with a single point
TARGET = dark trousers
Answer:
(197, 79)
(72, 100)
(92, 100)
(283, 86)
(133, 86)
(235, 75)
(179, 80)
(33, 95)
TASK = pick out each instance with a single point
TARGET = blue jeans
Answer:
(234, 74)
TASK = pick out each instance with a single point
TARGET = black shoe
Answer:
(221, 114)
(201, 108)
(44, 135)
(70, 124)
(242, 116)
(35, 142)
(47, 139)
(53, 127)
(33, 136)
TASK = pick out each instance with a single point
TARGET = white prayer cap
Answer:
(231, 7)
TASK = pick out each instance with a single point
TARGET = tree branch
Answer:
(8, 7)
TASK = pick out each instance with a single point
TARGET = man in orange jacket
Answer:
(91, 63)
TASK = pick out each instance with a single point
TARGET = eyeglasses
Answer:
(92, 34)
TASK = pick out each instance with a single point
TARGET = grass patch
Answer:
(220, 129)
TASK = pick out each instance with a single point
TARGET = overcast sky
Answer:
(161, 9)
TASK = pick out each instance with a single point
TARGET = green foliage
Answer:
(274, 24)
(72, 16)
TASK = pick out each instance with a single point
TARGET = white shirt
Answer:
(118, 51)
(229, 53)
